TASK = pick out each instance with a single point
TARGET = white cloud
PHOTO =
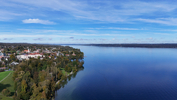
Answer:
(38, 21)
(165, 34)
(166, 21)
(30, 36)
(7, 15)
(117, 28)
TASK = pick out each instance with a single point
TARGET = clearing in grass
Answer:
(7, 83)
(4, 74)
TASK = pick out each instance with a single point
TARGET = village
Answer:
(27, 54)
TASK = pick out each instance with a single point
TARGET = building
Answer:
(18, 51)
(59, 54)
(14, 63)
(24, 56)
(35, 55)
(31, 55)
(37, 51)
(74, 54)
(66, 54)
(2, 68)
(27, 51)
(1, 55)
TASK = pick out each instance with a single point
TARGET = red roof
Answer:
(67, 54)
(2, 67)
(35, 54)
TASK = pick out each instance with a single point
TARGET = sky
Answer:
(88, 21)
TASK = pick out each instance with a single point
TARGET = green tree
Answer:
(6, 92)
(12, 57)
(23, 86)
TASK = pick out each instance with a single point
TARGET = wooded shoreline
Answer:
(135, 45)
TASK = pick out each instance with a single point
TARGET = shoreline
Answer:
(67, 76)
(134, 45)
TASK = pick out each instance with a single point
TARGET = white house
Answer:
(22, 56)
(31, 55)
(35, 55)
(1, 55)
(14, 63)
(37, 51)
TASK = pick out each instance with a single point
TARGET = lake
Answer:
(115, 73)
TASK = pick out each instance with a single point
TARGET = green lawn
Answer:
(8, 84)
(4, 74)
(5, 98)
(63, 71)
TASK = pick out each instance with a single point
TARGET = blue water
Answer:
(115, 73)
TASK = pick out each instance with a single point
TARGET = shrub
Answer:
(1, 70)
(6, 92)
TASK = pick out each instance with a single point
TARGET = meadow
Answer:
(6, 83)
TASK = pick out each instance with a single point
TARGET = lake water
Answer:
(115, 73)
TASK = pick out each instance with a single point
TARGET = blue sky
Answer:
(88, 21)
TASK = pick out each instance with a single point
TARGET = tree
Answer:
(52, 87)
(35, 77)
(23, 86)
(12, 57)
(6, 92)
(36, 93)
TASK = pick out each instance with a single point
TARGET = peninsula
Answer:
(37, 70)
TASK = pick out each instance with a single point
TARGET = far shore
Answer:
(135, 45)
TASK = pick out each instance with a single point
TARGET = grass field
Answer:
(5, 98)
(63, 71)
(4, 74)
(7, 84)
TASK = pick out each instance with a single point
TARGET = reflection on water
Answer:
(64, 82)
(114, 73)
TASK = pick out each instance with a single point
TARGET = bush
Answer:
(6, 92)
(2, 70)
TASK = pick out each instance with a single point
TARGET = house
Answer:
(74, 54)
(27, 51)
(9, 54)
(37, 51)
(2, 68)
(6, 59)
(24, 56)
(14, 63)
(47, 51)
(35, 55)
(53, 54)
(59, 54)
(1, 54)
(66, 54)
(31, 55)
(18, 51)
